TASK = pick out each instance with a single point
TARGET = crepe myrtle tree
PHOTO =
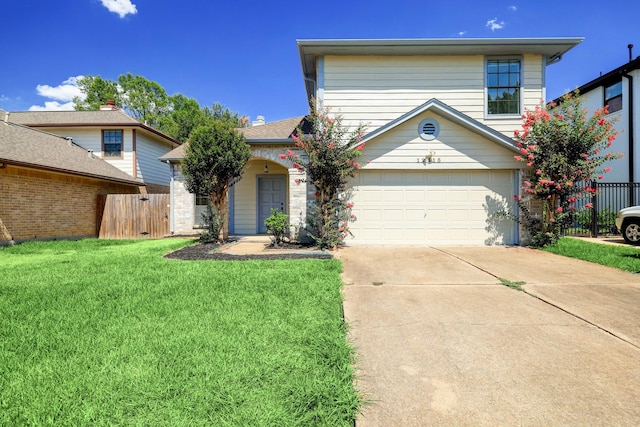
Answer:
(215, 159)
(328, 156)
(565, 149)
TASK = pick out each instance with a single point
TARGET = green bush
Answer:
(278, 225)
(606, 219)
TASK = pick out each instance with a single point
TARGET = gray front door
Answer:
(272, 193)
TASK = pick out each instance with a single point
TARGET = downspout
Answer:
(632, 174)
(172, 203)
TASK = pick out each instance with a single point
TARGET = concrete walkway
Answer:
(441, 341)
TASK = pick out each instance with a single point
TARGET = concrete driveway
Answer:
(440, 341)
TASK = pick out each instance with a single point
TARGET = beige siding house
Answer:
(439, 116)
(113, 136)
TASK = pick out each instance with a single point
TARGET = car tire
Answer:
(631, 231)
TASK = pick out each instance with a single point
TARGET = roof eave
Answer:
(451, 114)
(70, 172)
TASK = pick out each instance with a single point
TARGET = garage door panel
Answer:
(434, 207)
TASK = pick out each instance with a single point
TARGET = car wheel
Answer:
(631, 232)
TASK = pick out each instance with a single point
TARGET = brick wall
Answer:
(41, 205)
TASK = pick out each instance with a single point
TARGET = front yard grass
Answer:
(102, 332)
(622, 257)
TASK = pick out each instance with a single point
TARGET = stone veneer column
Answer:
(297, 203)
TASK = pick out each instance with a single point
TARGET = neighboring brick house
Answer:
(112, 135)
(268, 182)
(49, 185)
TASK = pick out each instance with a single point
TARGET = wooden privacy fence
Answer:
(133, 216)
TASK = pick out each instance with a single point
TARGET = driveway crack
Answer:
(607, 331)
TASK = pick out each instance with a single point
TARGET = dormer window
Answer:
(504, 81)
(613, 97)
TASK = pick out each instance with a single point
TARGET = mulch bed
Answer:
(208, 251)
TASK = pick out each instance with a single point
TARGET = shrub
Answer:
(278, 225)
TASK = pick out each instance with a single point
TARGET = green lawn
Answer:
(102, 332)
(622, 257)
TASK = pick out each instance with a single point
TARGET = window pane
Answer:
(503, 86)
(613, 90)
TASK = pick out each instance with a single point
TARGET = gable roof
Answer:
(450, 114)
(278, 132)
(551, 48)
(92, 118)
(27, 147)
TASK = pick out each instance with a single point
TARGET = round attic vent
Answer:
(429, 129)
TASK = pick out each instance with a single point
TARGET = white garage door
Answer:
(432, 208)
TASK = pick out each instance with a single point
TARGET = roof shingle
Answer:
(21, 145)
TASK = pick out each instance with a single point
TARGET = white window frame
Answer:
(488, 116)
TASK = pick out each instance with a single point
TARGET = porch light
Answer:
(266, 167)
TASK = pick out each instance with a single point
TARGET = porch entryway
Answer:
(272, 194)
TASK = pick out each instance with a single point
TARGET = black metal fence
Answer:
(608, 199)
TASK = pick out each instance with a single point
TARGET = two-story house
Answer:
(620, 90)
(49, 186)
(440, 114)
(113, 136)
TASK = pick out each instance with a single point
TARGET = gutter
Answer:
(5, 162)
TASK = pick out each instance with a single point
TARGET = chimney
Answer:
(258, 121)
(111, 105)
(630, 47)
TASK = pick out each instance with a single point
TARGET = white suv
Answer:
(628, 224)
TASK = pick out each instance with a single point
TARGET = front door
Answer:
(272, 194)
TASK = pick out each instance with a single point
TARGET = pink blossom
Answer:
(518, 158)
(600, 177)
(527, 183)
(350, 205)
(607, 170)
(282, 156)
(524, 151)
(516, 198)
(588, 205)
(539, 172)
(559, 209)
(529, 164)
(297, 181)
(332, 145)
(516, 132)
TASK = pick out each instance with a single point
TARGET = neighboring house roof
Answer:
(27, 147)
(278, 132)
(83, 119)
(448, 113)
(551, 48)
(608, 78)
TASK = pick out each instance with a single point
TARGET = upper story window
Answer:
(112, 142)
(503, 86)
(613, 97)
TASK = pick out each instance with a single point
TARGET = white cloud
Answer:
(512, 8)
(462, 33)
(63, 92)
(53, 106)
(493, 24)
(62, 95)
(4, 98)
(121, 7)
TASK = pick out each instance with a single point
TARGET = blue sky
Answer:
(244, 54)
